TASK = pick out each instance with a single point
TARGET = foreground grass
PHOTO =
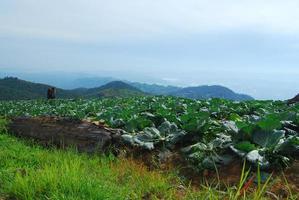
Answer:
(28, 171)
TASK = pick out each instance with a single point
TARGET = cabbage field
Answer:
(207, 133)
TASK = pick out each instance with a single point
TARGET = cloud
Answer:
(117, 20)
(249, 45)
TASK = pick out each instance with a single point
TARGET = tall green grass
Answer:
(30, 172)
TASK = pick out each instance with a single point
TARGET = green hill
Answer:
(114, 89)
(155, 88)
(205, 92)
(17, 89)
(14, 88)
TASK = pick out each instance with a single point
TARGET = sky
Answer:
(250, 46)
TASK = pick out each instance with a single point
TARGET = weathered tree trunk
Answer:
(61, 132)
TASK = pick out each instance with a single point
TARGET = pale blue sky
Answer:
(250, 46)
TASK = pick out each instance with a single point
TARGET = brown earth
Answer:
(292, 176)
(281, 185)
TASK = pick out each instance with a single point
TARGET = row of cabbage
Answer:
(208, 132)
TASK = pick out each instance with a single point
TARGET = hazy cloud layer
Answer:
(98, 20)
(251, 46)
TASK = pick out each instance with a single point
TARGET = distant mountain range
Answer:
(14, 88)
(92, 82)
(155, 88)
(113, 89)
(214, 91)
(200, 92)
(17, 89)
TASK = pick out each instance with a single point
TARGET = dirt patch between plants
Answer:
(292, 175)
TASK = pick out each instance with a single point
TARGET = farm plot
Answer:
(209, 133)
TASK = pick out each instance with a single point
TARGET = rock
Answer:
(61, 132)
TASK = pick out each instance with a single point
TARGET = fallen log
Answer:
(62, 132)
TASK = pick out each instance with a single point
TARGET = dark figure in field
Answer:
(293, 100)
(51, 94)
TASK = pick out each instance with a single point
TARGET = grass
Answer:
(29, 171)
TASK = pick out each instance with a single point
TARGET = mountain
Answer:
(90, 82)
(13, 88)
(293, 100)
(154, 88)
(205, 92)
(95, 82)
(17, 89)
(114, 89)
